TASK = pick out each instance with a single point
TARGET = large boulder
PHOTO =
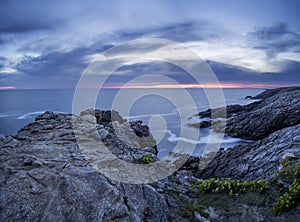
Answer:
(45, 177)
(260, 160)
(277, 109)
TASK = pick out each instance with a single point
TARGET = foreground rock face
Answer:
(274, 122)
(260, 160)
(279, 108)
(45, 177)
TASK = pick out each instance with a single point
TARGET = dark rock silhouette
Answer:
(45, 177)
(278, 108)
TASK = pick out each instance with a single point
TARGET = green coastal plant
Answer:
(146, 159)
(230, 186)
(238, 190)
(288, 200)
(290, 173)
(229, 195)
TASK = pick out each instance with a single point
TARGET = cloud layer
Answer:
(48, 45)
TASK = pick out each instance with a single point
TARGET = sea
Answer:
(159, 109)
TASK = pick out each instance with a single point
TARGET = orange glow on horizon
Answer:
(195, 86)
(6, 87)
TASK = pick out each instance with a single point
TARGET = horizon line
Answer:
(168, 86)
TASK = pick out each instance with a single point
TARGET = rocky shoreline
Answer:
(46, 177)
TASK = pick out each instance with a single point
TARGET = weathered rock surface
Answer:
(139, 129)
(274, 122)
(270, 92)
(45, 177)
(202, 124)
(104, 117)
(260, 160)
(279, 108)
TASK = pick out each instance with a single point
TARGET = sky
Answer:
(49, 44)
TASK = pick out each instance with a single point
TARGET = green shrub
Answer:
(288, 200)
(287, 161)
(290, 173)
(146, 158)
(286, 174)
(290, 170)
(230, 186)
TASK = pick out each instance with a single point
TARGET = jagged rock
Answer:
(255, 161)
(46, 115)
(270, 92)
(139, 129)
(279, 108)
(202, 124)
(103, 133)
(48, 178)
(44, 176)
(219, 112)
(104, 117)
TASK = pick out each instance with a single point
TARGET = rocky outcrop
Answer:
(139, 129)
(274, 122)
(104, 117)
(278, 108)
(45, 177)
(271, 92)
(218, 112)
(260, 160)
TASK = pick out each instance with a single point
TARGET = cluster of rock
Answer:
(274, 122)
(259, 160)
(44, 176)
(277, 109)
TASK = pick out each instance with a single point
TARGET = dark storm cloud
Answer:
(275, 39)
(2, 41)
(188, 31)
(56, 63)
(23, 17)
(63, 34)
(27, 26)
(56, 69)
(2, 58)
(5, 39)
(181, 32)
(2, 61)
(224, 72)
(229, 73)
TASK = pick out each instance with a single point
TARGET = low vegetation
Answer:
(230, 186)
(146, 159)
(290, 173)
(215, 192)
(228, 195)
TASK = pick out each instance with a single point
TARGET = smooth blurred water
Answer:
(20, 107)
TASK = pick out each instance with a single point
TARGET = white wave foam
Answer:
(34, 114)
(148, 115)
(30, 115)
(3, 115)
(173, 138)
(203, 140)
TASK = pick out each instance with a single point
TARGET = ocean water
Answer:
(20, 107)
